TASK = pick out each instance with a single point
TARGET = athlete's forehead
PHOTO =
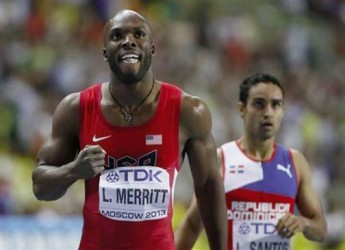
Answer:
(127, 18)
(265, 90)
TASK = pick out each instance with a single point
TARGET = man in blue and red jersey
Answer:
(127, 139)
(263, 180)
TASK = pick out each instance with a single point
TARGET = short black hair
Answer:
(254, 80)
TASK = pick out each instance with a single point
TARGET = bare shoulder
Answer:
(61, 146)
(67, 111)
(195, 116)
(69, 103)
(301, 164)
(298, 157)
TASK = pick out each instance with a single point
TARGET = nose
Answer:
(268, 111)
(128, 42)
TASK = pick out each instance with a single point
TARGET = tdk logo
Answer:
(112, 177)
(244, 228)
(265, 228)
(136, 175)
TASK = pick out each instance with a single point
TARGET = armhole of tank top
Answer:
(166, 89)
(83, 101)
(294, 167)
(178, 119)
(81, 110)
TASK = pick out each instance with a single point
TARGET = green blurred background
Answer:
(50, 48)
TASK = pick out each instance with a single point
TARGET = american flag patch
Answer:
(236, 169)
(153, 140)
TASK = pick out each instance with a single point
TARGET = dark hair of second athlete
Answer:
(254, 80)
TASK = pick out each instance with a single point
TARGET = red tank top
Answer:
(131, 221)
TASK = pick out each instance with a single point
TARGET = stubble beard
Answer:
(130, 78)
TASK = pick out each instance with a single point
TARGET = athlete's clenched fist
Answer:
(89, 162)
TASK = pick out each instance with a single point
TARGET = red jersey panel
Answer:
(129, 206)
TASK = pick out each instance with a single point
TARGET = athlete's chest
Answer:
(276, 176)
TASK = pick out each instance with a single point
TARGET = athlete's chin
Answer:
(267, 136)
(268, 130)
(129, 69)
(129, 78)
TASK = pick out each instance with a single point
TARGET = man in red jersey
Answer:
(127, 139)
(263, 180)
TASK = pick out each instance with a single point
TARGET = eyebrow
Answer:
(276, 99)
(263, 98)
(118, 29)
(271, 100)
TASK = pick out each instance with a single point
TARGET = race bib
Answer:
(257, 234)
(254, 225)
(134, 193)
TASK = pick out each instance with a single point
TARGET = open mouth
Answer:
(267, 125)
(129, 58)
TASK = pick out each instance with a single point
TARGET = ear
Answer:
(153, 49)
(241, 108)
(105, 56)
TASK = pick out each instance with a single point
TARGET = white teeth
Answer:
(130, 60)
(129, 56)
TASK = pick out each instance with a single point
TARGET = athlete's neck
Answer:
(258, 150)
(130, 94)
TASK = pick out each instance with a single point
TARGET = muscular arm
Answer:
(191, 226)
(208, 187)
(58, 165)
(189, 230)
(311, 221)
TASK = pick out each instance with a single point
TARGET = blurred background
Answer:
(50, 48)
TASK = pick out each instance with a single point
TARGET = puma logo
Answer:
(285, 169)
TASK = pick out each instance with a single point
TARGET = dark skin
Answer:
(262, 116)
(128, 48)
